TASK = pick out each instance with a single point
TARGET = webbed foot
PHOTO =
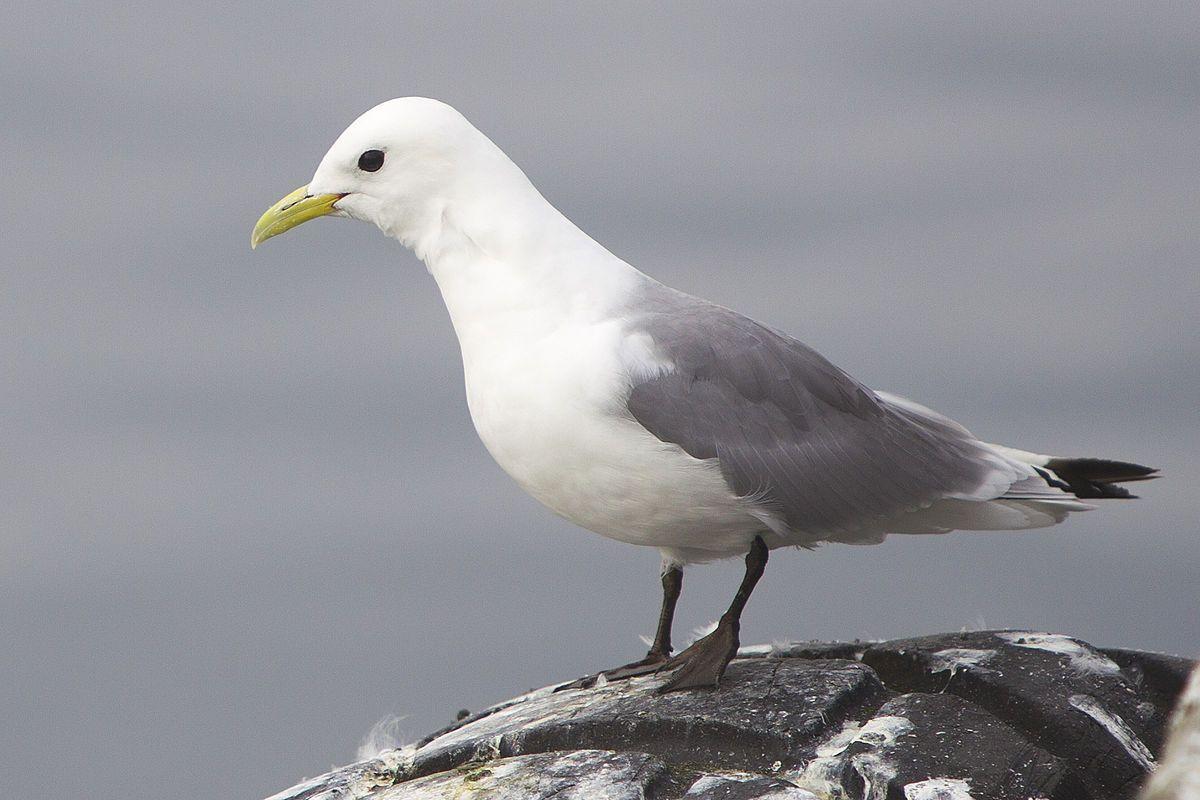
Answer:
(702, 665)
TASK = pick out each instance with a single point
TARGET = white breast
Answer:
(550, 409)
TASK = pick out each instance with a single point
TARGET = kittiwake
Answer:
(651, 416)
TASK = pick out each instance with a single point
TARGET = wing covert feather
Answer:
(792, 430)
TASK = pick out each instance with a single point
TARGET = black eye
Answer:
(371, 161)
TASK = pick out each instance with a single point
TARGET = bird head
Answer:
(395, 166)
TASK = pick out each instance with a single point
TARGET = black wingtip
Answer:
(1094, 478)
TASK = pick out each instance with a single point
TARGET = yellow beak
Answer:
(294, 209)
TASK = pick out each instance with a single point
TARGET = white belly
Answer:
(550, 411)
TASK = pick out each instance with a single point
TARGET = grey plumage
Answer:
(818, 449)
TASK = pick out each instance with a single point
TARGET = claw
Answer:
(653, 662)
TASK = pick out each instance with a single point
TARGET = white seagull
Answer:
(648, 415)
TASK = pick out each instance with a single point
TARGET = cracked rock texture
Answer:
(989, 715)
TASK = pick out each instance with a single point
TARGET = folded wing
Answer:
(822, 454)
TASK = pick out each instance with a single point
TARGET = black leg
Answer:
(660, 650)
(705, 661)
(672, 583)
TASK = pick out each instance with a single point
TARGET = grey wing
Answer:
(788, 428)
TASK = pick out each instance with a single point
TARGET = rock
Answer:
(768, 711)
(1063, 695)
(1154, 673)
(745, 787)
(917, 740)
(575, 775)
(1000, 714)
(1178, 774)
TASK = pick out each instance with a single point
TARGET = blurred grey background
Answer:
(244, 514)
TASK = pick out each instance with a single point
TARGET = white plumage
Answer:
(542, 313)
(650, 416)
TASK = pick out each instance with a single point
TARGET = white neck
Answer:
(508, 261)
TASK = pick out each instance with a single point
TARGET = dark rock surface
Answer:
(984, 715)
(1062, 694)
